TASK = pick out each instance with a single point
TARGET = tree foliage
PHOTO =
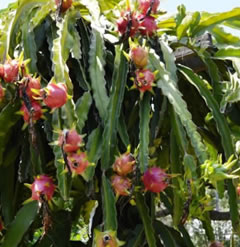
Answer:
(186, 122)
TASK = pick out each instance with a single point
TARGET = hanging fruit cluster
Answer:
(132, 23)
(124, 165)
(33, 97)
(75, 159)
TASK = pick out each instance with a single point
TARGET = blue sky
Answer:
(171, 5)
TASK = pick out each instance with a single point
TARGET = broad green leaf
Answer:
(94, 145)
(20, 225)
(169, 60)
(82, 108)
(215, 19)
(6, 22)
(114, 108)
(189, 21)
(24, 7)
(176, 168)
(223, 131)
(221, 122)
(122, 130)
(174, 96)
(223, 37)
(30, 49)
(227, 53)
(144, 115)
(109, 207)
(165, 234)
(8, 118)
(137, 240)
(144, 214)
(186, 237)
(65, 43)
(97, 73)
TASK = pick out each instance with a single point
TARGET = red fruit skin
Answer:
(121, 185)
(216, 244)
(1, 70)
(155, 180)
(11, 71)
(144, 79)
(2, 93)
(144, 5)
(78, 162)
(123, 21)
(66, 4)
(42, 185)
(55, 95)
(124, 164)
(238, 190)
(37, 112)
(1, 224)
(139, 56)
(147, 25)
(72, 141)
(33, 83)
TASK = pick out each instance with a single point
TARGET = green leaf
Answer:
(144, 214)
(174, 96)
(212, 20)
(62, 45)
(189, 21)
(227, 53)
(114, 108)
(24, 8)
(8, 118)
(122, 130)
(97, 73)
(165, 234)
(109, 207)
(176, 168)
(144, 115)
(186, 237)
(82, 108)
(169, 60)
(225, 133)
(222, 37)
(20, 225)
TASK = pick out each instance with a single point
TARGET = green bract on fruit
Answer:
(66, 4)
(124, 164)
(106, 239)
(10, 71)
(30, 86)
(42, 186)
(2, 93)
(147, 25)
(144, 79)
(139, 56)
(144, 6)
(155, 179)
(121, 185)
(78, 162)
(54, 95)
(70, 140)
(127, 20)
(36, 112)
